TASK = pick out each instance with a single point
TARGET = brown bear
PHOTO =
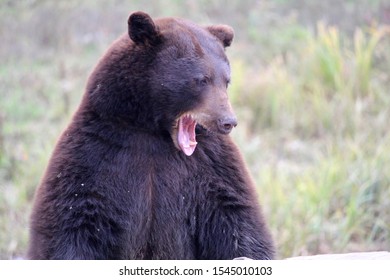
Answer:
(146, 168)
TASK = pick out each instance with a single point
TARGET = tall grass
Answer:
(320, 155)
(364, 47)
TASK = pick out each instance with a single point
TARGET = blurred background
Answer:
(310, 85)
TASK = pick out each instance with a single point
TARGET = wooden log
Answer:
(382, 255)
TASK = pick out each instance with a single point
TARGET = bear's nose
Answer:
(226, 125)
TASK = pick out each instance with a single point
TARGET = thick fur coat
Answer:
(146, 168)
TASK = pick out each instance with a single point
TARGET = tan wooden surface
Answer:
(382, 255)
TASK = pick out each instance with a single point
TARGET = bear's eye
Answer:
(227, 83)
(204, 81)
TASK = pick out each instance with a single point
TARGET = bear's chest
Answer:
(164, 197)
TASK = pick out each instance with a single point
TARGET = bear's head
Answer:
(167, 75)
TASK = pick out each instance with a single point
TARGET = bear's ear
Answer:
(142, 29)
(223, 32)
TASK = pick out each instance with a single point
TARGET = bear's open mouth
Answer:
(186, 134)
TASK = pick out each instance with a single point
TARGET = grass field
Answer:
(311, 87)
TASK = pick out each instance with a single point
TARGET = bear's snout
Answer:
(225, 125)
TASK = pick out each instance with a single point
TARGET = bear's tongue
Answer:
(186, 135)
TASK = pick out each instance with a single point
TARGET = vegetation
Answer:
(310, 85)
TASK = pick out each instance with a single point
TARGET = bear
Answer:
(146, 169)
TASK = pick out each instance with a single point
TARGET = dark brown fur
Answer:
(117, 186)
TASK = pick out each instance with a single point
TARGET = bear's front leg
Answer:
(233, 232)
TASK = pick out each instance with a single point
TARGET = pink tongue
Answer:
(186, 135)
